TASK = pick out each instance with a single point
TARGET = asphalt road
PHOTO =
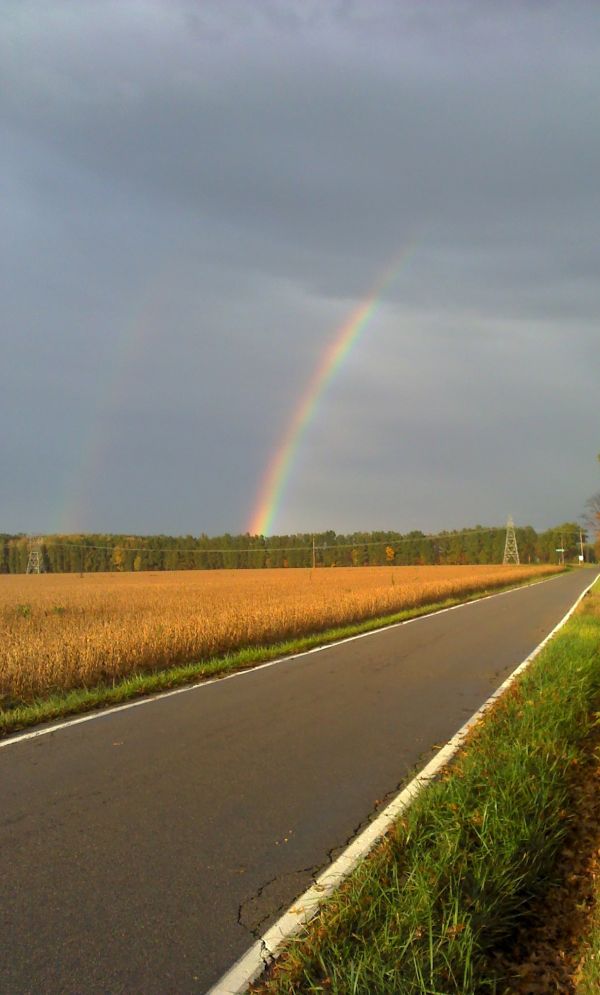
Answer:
(140, 850)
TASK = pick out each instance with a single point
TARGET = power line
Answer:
(264, 547)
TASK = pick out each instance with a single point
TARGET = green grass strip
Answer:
(21, 715)
(450, 882)
(588, 981)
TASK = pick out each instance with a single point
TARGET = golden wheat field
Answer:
(60, 631)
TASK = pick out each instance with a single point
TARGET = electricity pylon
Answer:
(35, 562)
(511, 550)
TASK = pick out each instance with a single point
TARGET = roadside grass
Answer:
(16, 714)
(588, 982)
(555, 944)
(455, 876)
(588, 975)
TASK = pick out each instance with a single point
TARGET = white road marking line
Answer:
(262, 953)
(102, 713)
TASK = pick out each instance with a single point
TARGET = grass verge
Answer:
(546, 951)
(456, 875)
(21, 715)
(588, 980)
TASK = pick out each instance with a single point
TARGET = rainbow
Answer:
(278, 471)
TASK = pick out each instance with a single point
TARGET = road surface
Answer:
(143, 850)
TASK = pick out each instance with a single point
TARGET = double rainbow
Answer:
(276, 477)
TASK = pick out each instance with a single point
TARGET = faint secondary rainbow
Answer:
(140, 327)
(281, 463)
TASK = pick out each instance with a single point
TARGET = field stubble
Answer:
(62, 631)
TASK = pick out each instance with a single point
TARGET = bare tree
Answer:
(592, 512)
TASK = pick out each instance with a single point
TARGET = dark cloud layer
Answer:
(197, 195)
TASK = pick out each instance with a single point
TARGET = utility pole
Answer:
(511, 550)
(314, 555)
(582, 557)
(35, 561)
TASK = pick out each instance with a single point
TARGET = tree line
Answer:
(92, 553)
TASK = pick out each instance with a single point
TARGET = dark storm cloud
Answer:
(198, 194)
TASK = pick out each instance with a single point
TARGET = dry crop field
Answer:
(62, 631)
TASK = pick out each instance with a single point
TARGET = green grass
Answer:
(588, 974)
(456, 874)
(21, 715)
(589, 979)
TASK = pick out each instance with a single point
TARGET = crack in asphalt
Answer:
(256, 928)
(244, 917)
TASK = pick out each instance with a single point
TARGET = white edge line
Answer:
(262, 953)
(102, 713)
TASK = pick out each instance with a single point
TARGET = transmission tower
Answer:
(35, 562)
(511, 550)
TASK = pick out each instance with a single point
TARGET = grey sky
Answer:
(198, 194)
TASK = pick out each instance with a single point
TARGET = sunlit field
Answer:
(61, 631)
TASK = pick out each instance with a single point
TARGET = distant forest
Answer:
(95, 553)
